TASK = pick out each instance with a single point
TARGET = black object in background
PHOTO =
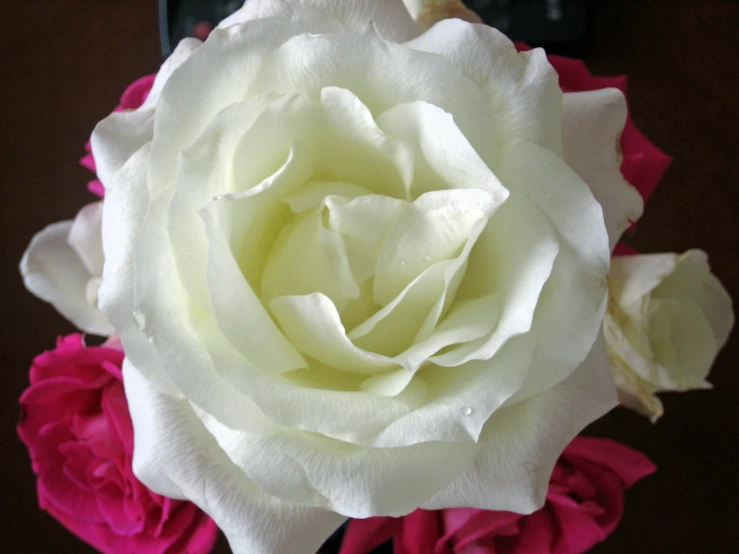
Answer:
(179, 19)
(561, 26)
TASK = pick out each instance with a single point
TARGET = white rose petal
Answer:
(521, 89)
(668, 317)
(553, 418)
(352, 275)
(390, 17)
(129, 130)
(85, 237)
(591, 130)
(199, 471)
(63, 265)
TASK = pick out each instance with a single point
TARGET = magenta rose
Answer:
(133, 97)
(583, 506)
(78, 431)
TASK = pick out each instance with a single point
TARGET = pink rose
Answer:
(643, 163)
(78, 431)
(134, 95)
(584, 505)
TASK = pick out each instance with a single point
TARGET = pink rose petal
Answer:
(583, 506)
(79, 434)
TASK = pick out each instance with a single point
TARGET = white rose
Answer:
(668, 317)
(63, 265)
(354, 277)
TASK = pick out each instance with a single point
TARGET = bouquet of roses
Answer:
(350, 270)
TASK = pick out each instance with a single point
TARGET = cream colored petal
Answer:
(466, 321)
(176, 456)
(309, 258)
(573, 301)
(634, 392)
(591, 135)
(513, 266)
(312, 323)
(512, 470)
(118, 136)
(363, 224)
(391, 18)
(633, 278)
(444, 157)
(86, 237)
(256, 337)
(693, 279)
(668, 317)
(392, 329)
(312, 194)
(251, 149)
(521, 89)
(54, 271)
(218, 74)
(433, 229)
(315, 470)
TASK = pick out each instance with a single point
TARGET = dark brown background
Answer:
(64, 63)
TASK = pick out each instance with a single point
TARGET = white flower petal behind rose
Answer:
(390, 17)
(63, 265)
(168, 434)
(591, 136)
(668, 317)
(428, 12)
(85, 237)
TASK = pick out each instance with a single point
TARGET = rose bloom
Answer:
(584, 505)
(354, 270)
(668, 317)
(78, 431)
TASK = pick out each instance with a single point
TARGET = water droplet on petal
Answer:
(467, 410)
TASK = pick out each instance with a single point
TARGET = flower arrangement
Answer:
(352, 271)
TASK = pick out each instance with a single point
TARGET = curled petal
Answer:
(122, 133)
(486, 57)
(591, 130)
(522, 462)
(54, 270)
(390, 17)
(170, 458)
(569, 314)
(85, 237)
